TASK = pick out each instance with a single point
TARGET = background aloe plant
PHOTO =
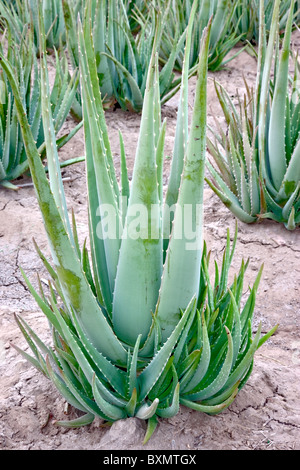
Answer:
(257, 164)
(122, 57)
(246, 17)
(22, 58)
(139, 328)
(22, 14)
(223, 37)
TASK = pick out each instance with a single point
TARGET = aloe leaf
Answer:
(204, 359)
(264, 90)
(292, 176)
(180, 281)
(209, 409)
(147, 411)
(136, 102)
(216, 385)
(87, 48)
(224, 396)
(131, 405)
(99, 38)
(289, 205)
(83, 420)
(173, 408)
(166, 74)
(113, 375)
(181, 137)
(159, 386)
(63, 389)
(154, 369)
(35, 342)
(228, 198)
(69, 270)
(239, 371)
(277, 142)
(85, 403)
(32, 360)
(132, 372)
(140, 260)
(108, 198)
(43, 306)
(152, 424)
(110, 410)
(125, 192)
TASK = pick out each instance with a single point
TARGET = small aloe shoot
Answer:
(256, 170)
(137, 326)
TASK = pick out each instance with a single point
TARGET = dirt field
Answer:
(266, 413)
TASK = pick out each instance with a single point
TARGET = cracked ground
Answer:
(265, 414)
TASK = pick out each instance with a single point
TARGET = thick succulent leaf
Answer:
(131, 405)
(292, 176)
(115, 376)
(229, 199)
(204, 359)
(151, 373)
(181, 274)
(64, 389)
(239, 371)
(134, 101)
(125, 192)
(181, 137)
(69, 270)
(216, 385)
(140, 260)
(112, 411)
(173, 408)
(55, 177)
(277, 153)
(209, 409)
(147, 411)
(83, 420)
(152, 424)
(132, 369)
(264, 94)
(95, 142)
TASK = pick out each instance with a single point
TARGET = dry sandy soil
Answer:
(265, 414)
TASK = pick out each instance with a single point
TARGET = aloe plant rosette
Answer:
(140, 328)
(255, 167)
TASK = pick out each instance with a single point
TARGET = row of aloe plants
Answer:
(138, 325)
(124, 32)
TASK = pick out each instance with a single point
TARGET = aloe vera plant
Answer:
(21, 14)
(246, 17)
(223, 38)
(255, 167)
(13, 158)
(137, 326)
(122, 57)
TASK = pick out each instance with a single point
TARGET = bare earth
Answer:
(265, 414)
